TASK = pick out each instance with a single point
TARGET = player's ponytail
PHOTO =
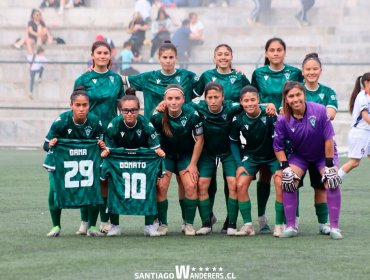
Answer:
(269, 42)
(311, 56)
(78, 91)
(360, 82)
(130, 95)
(167, 45)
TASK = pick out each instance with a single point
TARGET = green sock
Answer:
(181, 201)
(212, 190)
(279, 213)
(149, 220)
(84, 212)
(263, 194)
(322, 212)
(104, 216)
(246, 211)
(55, 213)
(162, 211)
(205, 211)
(232, 210)
(190, 206)
(93, 213)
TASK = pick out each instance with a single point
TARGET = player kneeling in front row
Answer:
(311, 133)
(258, 129)
(74, 159)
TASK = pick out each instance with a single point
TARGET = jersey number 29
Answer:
(85, 168)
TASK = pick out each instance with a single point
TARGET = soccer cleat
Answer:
(189, 230)
(94, 232)
(264, 227)
(83, 229)
(156, 224)
(204, 230)
(213, 219)
(183, 226)
(289, 232)
(225, 226)
(297, 219)
(162, 229)
(278, 229)
(324, 229)
(55, 232)
(151, 230)
(246, 230)
(104, 227)
(114, 230)
(335, 233)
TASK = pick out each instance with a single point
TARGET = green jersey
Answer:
(270, 83)
(65, 127)
(323, 95)
(217, 126)
(103, 89)
(153, 84)
(232, 83)
(132, 190)
(141, 135)
(76, 170)
(184, 128)
(258, 133)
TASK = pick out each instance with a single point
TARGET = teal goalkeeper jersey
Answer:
(258, 133)
(103, 89)
(75, 166)
(153, 84)
(132, 187)
(232, 83)
(270, 83)
(217, 126)
(323, 95)
(65, 127)
(184, 128)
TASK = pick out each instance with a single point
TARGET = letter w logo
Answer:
(182, 271)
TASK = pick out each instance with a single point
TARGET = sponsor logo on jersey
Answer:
(69, 131)
(244, 158)
(122, 134)
(111, 78)
(88, 130)
(214, 79)
(263, 119)
(287, 75)
(178, 79)
(266, 77)
(321, 96)
(158, 81)
(138, 132)
(312, 120)
(94, 81)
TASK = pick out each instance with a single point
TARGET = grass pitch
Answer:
(26, 253)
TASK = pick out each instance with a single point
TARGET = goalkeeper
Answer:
(311, 134)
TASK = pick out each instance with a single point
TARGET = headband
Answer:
(174, 88)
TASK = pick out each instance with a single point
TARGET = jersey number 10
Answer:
(132, 183)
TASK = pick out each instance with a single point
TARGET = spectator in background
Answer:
(259, 6)
(168, 4)
(127, 57)
(36, 67)
(306, 5)
(161, 31)
(137, 28)
(181, 39)
(36, 33)
(212, 3)
(197, 29)
(144, 8)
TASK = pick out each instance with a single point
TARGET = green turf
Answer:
(26, 253)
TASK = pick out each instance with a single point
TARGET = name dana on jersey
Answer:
(78, 152)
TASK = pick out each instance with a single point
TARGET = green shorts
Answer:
(253, 167)
(177, 163)
(207, 165)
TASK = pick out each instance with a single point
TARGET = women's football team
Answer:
(237, 124)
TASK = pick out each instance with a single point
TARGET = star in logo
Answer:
(200, 268)
(193, 269)
(207, 268)
(220, 268)
(214, 268)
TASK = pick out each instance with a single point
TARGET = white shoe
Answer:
(189, 230)
(231, 231)
(324, 229)
(151, 230)
(114, 230)
(104, 227)
(289, 232)
(263, 223)
(94, 232)
(156, 224)
(162, 229)
(183, 226)
(335, 233)
(297, 219)
(55, 232)
(278, 229)
(83, 229)
(246, 230)
(204, 231)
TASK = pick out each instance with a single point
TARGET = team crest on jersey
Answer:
(232, 79)
(178, 79)
(266, 77)
(333, 97)
(287, 75)
(263, 119)
(138, 132)
(321, 96)
(69, 131)
(183, 122)
(111, 78)
(214, 79)
(158, 81)
(122, 134)
(88, 130)
(312, 120)
(292, 129)
(224, 116)
(94, 81)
